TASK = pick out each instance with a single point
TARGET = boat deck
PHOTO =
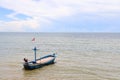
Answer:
(44, 60)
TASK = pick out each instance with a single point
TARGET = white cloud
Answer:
(18, 25)
(12, 16)
(41, 10)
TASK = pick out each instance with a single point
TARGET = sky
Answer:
(59, 15)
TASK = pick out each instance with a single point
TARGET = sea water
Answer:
(80, 56)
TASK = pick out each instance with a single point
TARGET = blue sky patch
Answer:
(22, 16)
(4, 12)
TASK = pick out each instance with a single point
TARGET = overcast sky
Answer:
(59, 15)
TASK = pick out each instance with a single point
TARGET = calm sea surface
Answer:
(80, 56)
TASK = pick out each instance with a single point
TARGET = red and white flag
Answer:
(33, 39)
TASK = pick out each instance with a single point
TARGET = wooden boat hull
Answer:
(46, 60)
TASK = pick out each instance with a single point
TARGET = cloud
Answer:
(18, 25)
(44, 11)
(41, 8)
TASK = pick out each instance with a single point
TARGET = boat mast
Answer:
(35, 49)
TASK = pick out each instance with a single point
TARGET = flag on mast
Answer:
(33, 39)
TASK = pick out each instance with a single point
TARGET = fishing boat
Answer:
(38, 63)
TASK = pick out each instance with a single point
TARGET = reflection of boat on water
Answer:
(38, 63)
